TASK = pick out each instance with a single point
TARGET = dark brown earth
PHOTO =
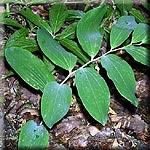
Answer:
(127, 127)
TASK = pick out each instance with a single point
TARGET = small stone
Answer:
(93, 130)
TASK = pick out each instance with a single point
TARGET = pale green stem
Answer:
(86, 64)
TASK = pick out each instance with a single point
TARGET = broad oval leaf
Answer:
(55, 102)
(88, 32)
(35, 19)
(33, 136)
(121, 30)
(94, 93)
(140, 34)
(31, 69)
(139, 53)
(54, 51)
(57, 16)
(122, 76)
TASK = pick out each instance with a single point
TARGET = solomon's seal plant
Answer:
(79, 43)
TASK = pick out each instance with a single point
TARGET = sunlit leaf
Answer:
(139, 53)
(57, 16)
(55, 102)
(94, 93)
(122, 76)
(30, 68)
(54, 51)
(121, 30)
(33, 136)
(141, 34)
(88, 30)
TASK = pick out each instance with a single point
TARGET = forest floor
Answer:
(127, 127)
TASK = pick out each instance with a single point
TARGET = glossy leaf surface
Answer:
(31, 69)
(141, 34)
(139, 53)
(35, 19)
(121, 30)
(122, 76)
(57, 16)
(94, 93)
(55, 102)
(33, 136)
(88, 33)
(54, 51)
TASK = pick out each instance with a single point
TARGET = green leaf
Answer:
(30, 68)
(28, 44)
(74, 14)
(122, 76)
(48, 63)
(88, 30)
(124, 5)
(75, 49)
(55, 102)
(69, 32)
(35, 19)
(54, 51)
(18, 39)
(94, 93)
(11, 22)
(139, 53)
(146, 5)
(138, 15)
(140, 34)
(33, 136)
(57, 16)
(17, 35)
(121, 30)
